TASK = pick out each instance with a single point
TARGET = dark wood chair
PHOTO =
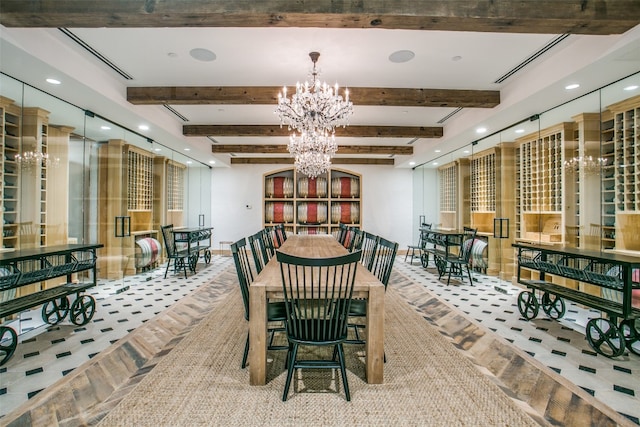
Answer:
(415, 251)
(317, 294)
(382, 264)
(180, 257)
(369, 244)
(275, 310)
(259, 250)
(280, 235)
(456, 263)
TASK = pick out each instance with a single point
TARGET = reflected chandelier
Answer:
(30, 159)
(313, 113)
(589, 164)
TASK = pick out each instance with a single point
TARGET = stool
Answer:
(224, 243)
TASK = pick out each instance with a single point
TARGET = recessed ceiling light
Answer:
(437, 151)
(143, 127)
(213, 162)
(105, 128)
(435, 163)
(187, 149)
(572, 86)
(456, 58)
(157, 149)
(466, 151)
(53, 81)
(412, 163)
(204, 55)
(401, 56)
(481, 130)
(189, 162)
(519, 131)
(632, 87)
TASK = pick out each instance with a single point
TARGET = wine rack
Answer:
(311, 205)
(9, 173)
(175, 186)
(455, 193)
(140, 180)
(540, 184)
(621, 144)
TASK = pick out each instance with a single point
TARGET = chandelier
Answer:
(312, 113)
(30, 159)
(589, 164)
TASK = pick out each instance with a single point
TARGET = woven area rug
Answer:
(426, 382)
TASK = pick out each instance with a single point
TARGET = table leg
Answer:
(375, 336)
(257, 335)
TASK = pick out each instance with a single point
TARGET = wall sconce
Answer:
(501, 228)
(123, 226)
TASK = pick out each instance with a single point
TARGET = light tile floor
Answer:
(46, 354)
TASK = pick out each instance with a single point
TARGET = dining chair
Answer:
(280, 235)
(259, 250)
(343, 234)
(356, 239)
(317, 295)
(415, 251)
(275, 310)
(382, 265)
(369, 243)
(179, 257)
(456, 263)
(268, 243)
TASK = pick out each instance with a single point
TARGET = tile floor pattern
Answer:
(560, 345)
(47, 354)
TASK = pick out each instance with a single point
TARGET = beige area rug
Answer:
(427, 383)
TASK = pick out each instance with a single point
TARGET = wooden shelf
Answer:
(311, 206)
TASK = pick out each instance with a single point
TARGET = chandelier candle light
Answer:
(313, 113)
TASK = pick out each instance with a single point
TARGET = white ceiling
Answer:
(350, 57)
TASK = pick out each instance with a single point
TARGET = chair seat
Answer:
(276, 311)
(358, 308)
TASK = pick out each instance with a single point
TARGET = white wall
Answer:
(387, 201)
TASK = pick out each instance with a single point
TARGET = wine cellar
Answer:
(312, 205)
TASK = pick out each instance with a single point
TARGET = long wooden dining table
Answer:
(268, 285)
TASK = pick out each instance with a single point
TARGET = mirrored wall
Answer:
(567, 176)
(70, 176)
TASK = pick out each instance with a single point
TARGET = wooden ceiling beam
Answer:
(502, 16)
(405, 150)
(289, 160)
(268, 95)
(349, 131)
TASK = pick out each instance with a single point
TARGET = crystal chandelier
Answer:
(589, 164)
(30, 159)
(313, 113)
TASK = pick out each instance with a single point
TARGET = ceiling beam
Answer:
(268, 95)
(289, 160)
(349, 131)
(503, 16)
(404, 150)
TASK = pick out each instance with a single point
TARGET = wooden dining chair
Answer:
(179, 257)
(317, 295)
(457, 263)
(382, 264)
(259, 250)
(369, 244)
(275, 310)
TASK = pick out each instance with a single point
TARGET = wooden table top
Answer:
(311, 246)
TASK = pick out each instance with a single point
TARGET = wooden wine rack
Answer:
(621, 146)
(539, 183)
(9, 173)
(311, 206)
(454, 194)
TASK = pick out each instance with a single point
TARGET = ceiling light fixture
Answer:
(31, 159)
(572, 86)
(53, 81)
(143, 127)
(312, 113)
(589, 164)
(632, 87)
